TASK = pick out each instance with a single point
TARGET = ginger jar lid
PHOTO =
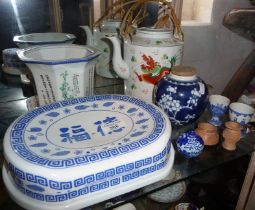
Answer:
(183, 73)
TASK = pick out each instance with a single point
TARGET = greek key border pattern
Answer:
(90, 183)
(17, 131)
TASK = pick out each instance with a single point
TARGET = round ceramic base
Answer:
(215, 122)
(229, 148)
(169, 194)
(83, 201)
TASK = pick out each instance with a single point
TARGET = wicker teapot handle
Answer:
(170, 16)
(132, 18)
(117, 8)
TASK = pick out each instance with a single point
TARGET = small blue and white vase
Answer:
(190, 144)
(218, 105)
(182, 95)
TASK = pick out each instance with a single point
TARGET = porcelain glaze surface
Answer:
(168, 194)
(71, 149)
(61, 71)
(190, 144)
(183, 101)
(30, 40)
(147, 58)
(97, 39)
(218, 106)
(240, 112)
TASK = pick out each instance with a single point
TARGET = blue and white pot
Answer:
(190, 144)
(183, 98)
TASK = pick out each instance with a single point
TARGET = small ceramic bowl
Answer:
(240, 112)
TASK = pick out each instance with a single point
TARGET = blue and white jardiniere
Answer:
(190, 144)
(183, 98)
(78, 152)
(218, 106)
(61, 72)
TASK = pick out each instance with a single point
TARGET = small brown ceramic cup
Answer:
(208, 133)
(231, 134)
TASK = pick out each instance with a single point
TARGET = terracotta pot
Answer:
(208, 133)
(231, 134)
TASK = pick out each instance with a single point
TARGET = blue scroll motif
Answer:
(141, 121)
(53, 114)
(107, 104)
(61, 153)
(39, 145)
(81, 107)
(35, 129)
(131, 110)
(139, 133)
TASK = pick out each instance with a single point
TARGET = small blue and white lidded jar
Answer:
(182, 95)
(190, 144)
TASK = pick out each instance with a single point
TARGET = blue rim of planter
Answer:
(95, 53)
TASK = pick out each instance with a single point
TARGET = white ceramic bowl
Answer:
(240, 112)
(29, 40)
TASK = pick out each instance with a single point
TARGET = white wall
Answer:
(214, 50)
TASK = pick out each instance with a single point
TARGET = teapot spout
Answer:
(89, 35)
(119, 65)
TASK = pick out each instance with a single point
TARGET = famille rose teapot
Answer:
(148, 56)
(97, 39)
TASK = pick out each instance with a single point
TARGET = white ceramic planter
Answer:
(75, 153)
(61, 71)
(34, 39)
